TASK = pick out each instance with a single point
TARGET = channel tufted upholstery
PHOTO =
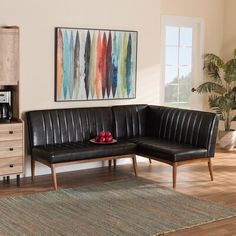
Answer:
(49, 127)
(171, 135)
(194, 128)
(129, 120)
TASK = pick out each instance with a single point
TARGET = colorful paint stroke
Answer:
(94, 64)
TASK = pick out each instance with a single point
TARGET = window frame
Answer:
(198, 26)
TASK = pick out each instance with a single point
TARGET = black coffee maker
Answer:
(5, 106)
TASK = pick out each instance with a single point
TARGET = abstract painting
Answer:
(93, 64)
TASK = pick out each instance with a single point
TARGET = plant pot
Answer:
(227, 139)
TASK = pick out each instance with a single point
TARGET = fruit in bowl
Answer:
(97, 139)
(102, 140)
(102, 134)
(108, 134)
(104, 137)
(109, 139)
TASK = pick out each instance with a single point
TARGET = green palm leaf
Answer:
(226, 103)
(234, 118)
(222, 87)
(215, 103)
(210, 57)
(230, 71)
(213, 71)
(209, 87)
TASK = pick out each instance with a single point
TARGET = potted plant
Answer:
(221, 88)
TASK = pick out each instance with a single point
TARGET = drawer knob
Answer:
(11, 165)
(11, 149)
(10, 132)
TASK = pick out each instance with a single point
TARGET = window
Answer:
(181, 60)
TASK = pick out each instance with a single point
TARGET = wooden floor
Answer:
(193, 180)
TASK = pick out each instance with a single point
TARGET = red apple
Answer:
(109, 139)
(108, 134)
(102, 139)
(102, 134)
(97, 139)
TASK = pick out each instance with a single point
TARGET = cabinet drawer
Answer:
(11, 148)
(11, 165)
(11, 132)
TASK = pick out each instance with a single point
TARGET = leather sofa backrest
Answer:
(129, 120)
(80, 124)
(67, 125)
(183, 126)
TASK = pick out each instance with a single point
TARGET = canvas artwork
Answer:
(94, 64)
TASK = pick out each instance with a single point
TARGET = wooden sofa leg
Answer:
(114, 164)
(109, 164)
(210, 168)
(54, 176)
(135, 165)
(32, 169)
(150, 161)
(174, 174)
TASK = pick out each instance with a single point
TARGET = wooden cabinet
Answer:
(12, 149)
(12, 133)
(9, 55)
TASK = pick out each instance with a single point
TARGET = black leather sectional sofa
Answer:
(173, 136)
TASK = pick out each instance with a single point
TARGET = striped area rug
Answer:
(125, 207)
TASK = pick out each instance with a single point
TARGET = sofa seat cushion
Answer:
(166, 150)
(81, 151)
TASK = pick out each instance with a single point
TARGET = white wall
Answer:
(37, 20)
(229, 43)
(229, 29)
(229, 34)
